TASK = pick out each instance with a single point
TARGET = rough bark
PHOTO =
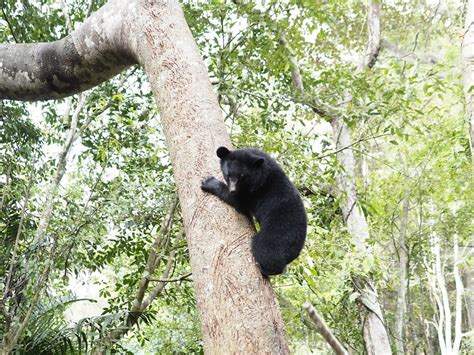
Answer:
(237, 306)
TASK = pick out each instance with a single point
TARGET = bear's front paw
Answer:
(210, 184)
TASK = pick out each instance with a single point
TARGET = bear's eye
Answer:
(242, 176)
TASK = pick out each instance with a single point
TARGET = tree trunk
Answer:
(237, 306)
(402, 278)
(374, 331)
(467, 55)
(375, 335)
(449, 332)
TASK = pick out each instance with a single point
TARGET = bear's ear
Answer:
(222, 152)
(258, 162)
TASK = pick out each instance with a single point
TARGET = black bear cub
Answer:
(256, 185)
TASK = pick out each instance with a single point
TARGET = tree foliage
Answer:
(409, 137)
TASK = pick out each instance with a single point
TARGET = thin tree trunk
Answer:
(375, 334)
(402, 278)
(238, 310)
(60, 171)
(467, 55)
(13, 334)
(449, 343)
(468, 278)
(459, 290)
(374, 331)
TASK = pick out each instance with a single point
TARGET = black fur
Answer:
(256, 185)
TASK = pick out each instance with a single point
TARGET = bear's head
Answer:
(244, 171)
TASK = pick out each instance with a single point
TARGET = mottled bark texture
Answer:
(84, 59)
(237, 306)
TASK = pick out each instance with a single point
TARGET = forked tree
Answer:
(237, 306)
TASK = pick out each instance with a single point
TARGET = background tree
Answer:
(467, 56)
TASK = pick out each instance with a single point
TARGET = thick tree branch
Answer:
(43, 71)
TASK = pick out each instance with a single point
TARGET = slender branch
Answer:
(400, 54)
(20, 229)
(364, 139)
(139, 304)
(6, 186)
(376, 339)
(459, 290)
(60, 171)
(435, 293)
(402, 264)
(294, 67)
(66, 15)
(46, 216)
(10, 272)
(89, 8)
(324, 330)
(160, 286)
(10, 27)
(13, 338)
(152, 256)
(444, 293)
(173, 279)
